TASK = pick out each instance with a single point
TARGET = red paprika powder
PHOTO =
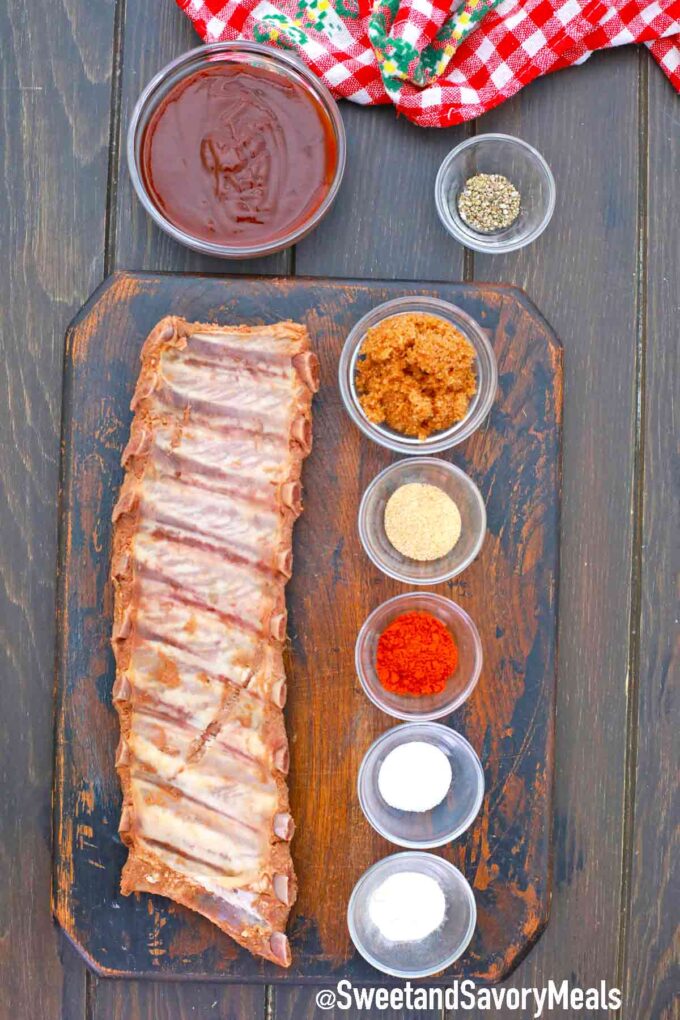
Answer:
(416, 655)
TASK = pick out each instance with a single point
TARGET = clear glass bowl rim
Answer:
(410, 731)
(470, 238)
(440, 441)
(193, 61)
(450, 706)
(461, 881)
(407, 578)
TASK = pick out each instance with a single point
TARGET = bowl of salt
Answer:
(421, 785)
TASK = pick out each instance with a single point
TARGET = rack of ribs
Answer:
(202, 550)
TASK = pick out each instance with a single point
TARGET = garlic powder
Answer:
(407, 907)
(422, 521)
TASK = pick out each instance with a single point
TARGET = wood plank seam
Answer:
(115, 135)
(633, 681)
(90, 994)
(65, 443)
(269, 1006)
(468, 253)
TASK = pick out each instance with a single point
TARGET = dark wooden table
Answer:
(606, 275)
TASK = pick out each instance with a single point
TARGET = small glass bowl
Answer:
(456, 484)
(459, 685)
(241, 52)
(443, 823)
(432, 954)
(522, 165)
(480, 405)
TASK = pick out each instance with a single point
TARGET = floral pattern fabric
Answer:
(442, 61)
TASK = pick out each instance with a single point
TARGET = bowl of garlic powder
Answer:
(422, 521)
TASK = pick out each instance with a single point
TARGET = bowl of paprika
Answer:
(418, 656)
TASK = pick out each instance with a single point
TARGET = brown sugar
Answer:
(416, 374)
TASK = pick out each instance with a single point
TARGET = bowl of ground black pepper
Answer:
(495, 193)
(422, 521)
(417, 375)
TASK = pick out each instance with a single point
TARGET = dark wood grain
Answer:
(54, 117)
(581, 273)
(54, 100)
(152, 1000)
(652, 976)
(75, 981)
(384, 223)
(509, 718)
(150, 41)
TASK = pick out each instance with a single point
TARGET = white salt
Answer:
(415, 776)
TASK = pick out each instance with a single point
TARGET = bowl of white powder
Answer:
(421, 785)
(412, 914)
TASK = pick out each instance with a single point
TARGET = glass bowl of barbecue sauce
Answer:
(236, 150)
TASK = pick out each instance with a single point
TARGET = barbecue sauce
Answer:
(238, 155)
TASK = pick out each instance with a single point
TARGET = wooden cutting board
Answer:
(510, 591)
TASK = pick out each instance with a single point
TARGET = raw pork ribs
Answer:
(202, 553)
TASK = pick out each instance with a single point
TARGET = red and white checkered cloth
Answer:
(514, 43)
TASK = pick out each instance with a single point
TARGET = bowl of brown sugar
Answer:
(417, 375)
